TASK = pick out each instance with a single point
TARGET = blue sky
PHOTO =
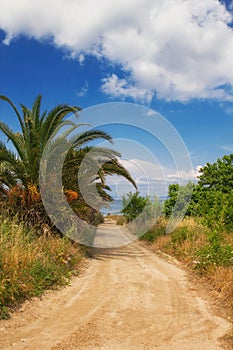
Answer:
(172, 56)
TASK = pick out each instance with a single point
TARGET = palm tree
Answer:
(19, 169)
(86, 169)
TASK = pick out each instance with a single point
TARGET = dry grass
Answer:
(221, 279)
(30, 264)
(113, 217)
(184, 243)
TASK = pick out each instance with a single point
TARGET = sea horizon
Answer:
(115, 206)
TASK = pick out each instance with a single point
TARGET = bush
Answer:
(179, 235)
(135, 205)
(215, 253)
(156, 232)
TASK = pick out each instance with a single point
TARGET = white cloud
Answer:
(81, 58)
(144, 171)
(177, 49)
(116, 87)
(184, 176)
(228, 148)
(151, 178)
(83, 91)
(150, 113)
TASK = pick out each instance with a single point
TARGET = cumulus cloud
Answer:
(174, 49)
(184, 176)
(151, 178)
(116, 87)
(144, 171)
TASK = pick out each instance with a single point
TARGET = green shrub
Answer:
(179, 235)
(214, 254)
(135, 205)
(156, 232)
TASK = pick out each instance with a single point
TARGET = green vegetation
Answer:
(30, 264)
(19, 169)
(208, 253)
(34, 255)
(140, 212)
(135, 205)
(204, 239)
(185, 194)
(212, 196)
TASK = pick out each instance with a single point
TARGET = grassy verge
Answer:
(30, 264)
(209, 254)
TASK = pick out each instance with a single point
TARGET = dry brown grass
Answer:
(30, 264)
(113, 217)
(161, 243)
(184, 243)
(221, 279)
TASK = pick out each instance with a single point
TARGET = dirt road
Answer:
(128, 298)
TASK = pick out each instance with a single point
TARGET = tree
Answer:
(215, 193)
(23, 163)
(212, 196)
(217, 176)
(171, 201)
(90, 180)
(135, 205)
(98, 164)
(19, 169)
(180, 196)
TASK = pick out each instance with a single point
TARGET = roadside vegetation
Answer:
(208, 254)
(34, 254)
(31, 264)
(204, 239)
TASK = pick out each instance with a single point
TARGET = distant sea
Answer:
(116, 206)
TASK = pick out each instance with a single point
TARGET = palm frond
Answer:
(91, 135)
(15, 165)
(13, 137)
(114, 167)
(36, 111)
(54, 119)
(4, 98)
(7, 177)
(101, 189)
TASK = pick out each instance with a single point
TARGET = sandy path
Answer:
(127, 299)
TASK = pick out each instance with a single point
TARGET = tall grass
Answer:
(30, 264)
(208, 253)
